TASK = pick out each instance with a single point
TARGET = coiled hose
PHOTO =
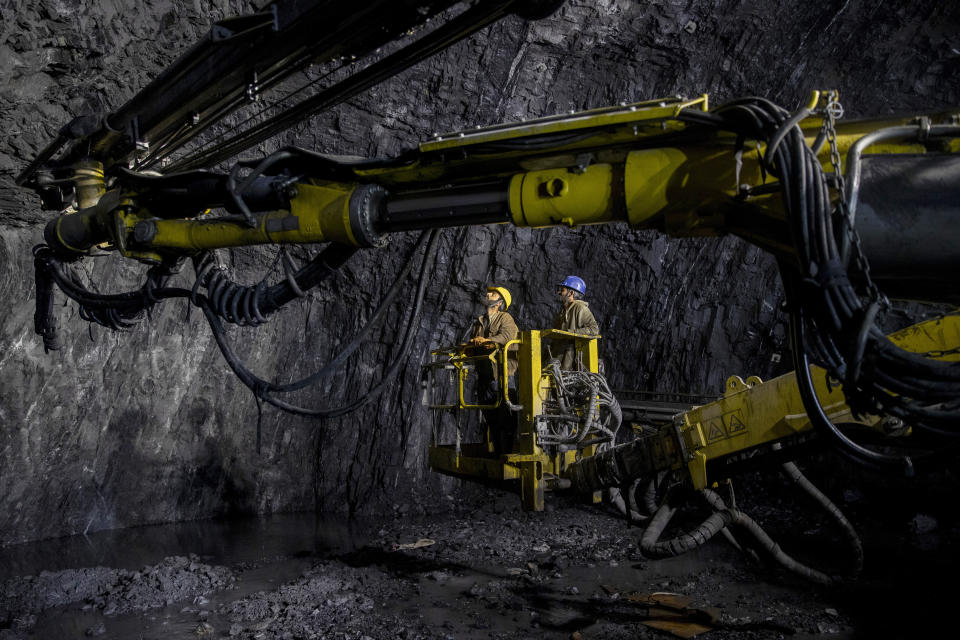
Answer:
(590, 392)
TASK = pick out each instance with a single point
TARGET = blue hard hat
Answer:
(575, 283)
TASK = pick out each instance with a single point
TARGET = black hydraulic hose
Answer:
(841, 316)
(45, 259)
(374, 320)
(114, 308)
(127, 303)
(262, 388)
(412, 325)
(785, 129)
(916, 363)
(116, 311)
(333, 257)
(845, 337)
(933, 390)
(796, 476)
(819, 419)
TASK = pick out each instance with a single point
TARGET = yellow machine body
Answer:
(752, 412)
(528, 463)
(640, 164)
(636, 164)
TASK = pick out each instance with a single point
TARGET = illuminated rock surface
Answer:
(149, 426)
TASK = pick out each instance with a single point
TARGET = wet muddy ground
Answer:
(574, 571)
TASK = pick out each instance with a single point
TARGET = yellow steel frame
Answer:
(319, 213)
(558, 197)
(753, 412)
(627, 164)
(447, 358)
(528, 462)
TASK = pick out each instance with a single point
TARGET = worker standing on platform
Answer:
(574, 316)
(493, 330)
(495, 327)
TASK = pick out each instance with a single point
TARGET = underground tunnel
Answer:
(296, 335)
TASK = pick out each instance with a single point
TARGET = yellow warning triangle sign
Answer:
(734, 424)
(714, 431)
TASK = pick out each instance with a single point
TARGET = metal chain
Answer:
(833, 112)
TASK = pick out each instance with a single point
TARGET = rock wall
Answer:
(122, 429)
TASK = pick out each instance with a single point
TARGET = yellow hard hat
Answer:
(503, 294)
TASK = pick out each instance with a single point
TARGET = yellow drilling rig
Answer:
(854, 212)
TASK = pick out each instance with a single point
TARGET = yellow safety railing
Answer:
(454, 358)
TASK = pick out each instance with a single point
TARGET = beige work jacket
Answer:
(577, 318)
(500, 328)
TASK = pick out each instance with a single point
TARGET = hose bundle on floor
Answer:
(724, 518)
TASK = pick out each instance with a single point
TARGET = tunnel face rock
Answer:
(148, 425)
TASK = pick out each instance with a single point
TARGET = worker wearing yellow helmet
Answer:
(493, 329)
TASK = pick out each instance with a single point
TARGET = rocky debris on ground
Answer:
(540, 557)
(501, 573)
(520, 538)
(331, 600)
(497, 572)
(111, 591)
(31, 594)
(175, 579)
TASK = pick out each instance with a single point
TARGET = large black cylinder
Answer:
(908, 218)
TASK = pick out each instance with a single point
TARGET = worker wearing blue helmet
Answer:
(575, 315)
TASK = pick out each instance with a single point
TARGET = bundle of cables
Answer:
(833, 303)
(581, 410)
(226, 300)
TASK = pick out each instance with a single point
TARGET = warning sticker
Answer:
(726, 426)
(734, 424)
(715, 431)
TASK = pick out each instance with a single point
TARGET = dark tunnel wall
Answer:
(149, 425)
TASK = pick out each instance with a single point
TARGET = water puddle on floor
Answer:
(224, 542)
(263, 553)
